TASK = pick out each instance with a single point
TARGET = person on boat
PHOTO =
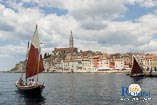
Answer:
(33, 82)
(21, 82)
(30, 82)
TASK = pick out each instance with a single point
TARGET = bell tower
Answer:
(71, 41)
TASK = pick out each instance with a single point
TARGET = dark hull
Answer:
(31, 90)
(145, 74)
(137, 75)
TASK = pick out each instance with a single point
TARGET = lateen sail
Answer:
(136, 69)
(34, 61)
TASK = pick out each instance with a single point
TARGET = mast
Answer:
(38, 66)
(38, 54)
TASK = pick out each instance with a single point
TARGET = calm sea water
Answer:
(77, 89)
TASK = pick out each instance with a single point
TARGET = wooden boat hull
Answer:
(31, 90)
(145, 74)
(141, 75)
(137, 75)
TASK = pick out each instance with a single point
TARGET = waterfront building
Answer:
(91, 64)
(104, 64)
(78, 65)
(154, 63)
(58, 66)
(148, 61)
(74, 65)
(127, 60)
(48, 63)
(65, 64)
(85, 64)
(119, 64)
(112, 64)
(95, 62)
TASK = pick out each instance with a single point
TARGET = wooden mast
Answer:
(38, 56)
(38, 66)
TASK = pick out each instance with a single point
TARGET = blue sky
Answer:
(106, 25)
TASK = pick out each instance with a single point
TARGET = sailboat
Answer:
(34, 66)
(136, 69)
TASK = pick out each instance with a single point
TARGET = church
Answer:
(70, 49)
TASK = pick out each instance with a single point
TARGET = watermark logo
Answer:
(134, 89)
(134, 92)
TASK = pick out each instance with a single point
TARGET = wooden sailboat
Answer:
(34, 66)
(136, 69)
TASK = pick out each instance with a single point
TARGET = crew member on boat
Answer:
(32, 82)
(21, 82)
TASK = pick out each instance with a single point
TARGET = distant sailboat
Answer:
(34, 66)
(136, 69)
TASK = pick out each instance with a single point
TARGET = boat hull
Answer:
(137, 75)
(31, 90)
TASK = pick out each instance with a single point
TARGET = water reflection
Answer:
(137, 80)
(34, 100)
(29, 100)
(78, 89)
(72, 89)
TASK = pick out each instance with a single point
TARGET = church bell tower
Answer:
(71, 41)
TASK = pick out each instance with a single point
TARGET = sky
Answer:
(109, 26)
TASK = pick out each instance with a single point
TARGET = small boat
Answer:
(34, 66)
(136, 70)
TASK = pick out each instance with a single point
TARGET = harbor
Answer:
(78, 89)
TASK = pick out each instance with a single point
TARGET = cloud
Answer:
(96, 10)
(93, 24)
(143, 3)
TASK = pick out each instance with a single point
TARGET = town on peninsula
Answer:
(70, 59)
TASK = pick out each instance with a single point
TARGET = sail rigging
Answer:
(34, 61)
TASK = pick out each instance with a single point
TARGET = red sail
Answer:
(136, 69)
(32, 62)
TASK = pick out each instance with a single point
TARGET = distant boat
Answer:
(34, 66)
(136, 70)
